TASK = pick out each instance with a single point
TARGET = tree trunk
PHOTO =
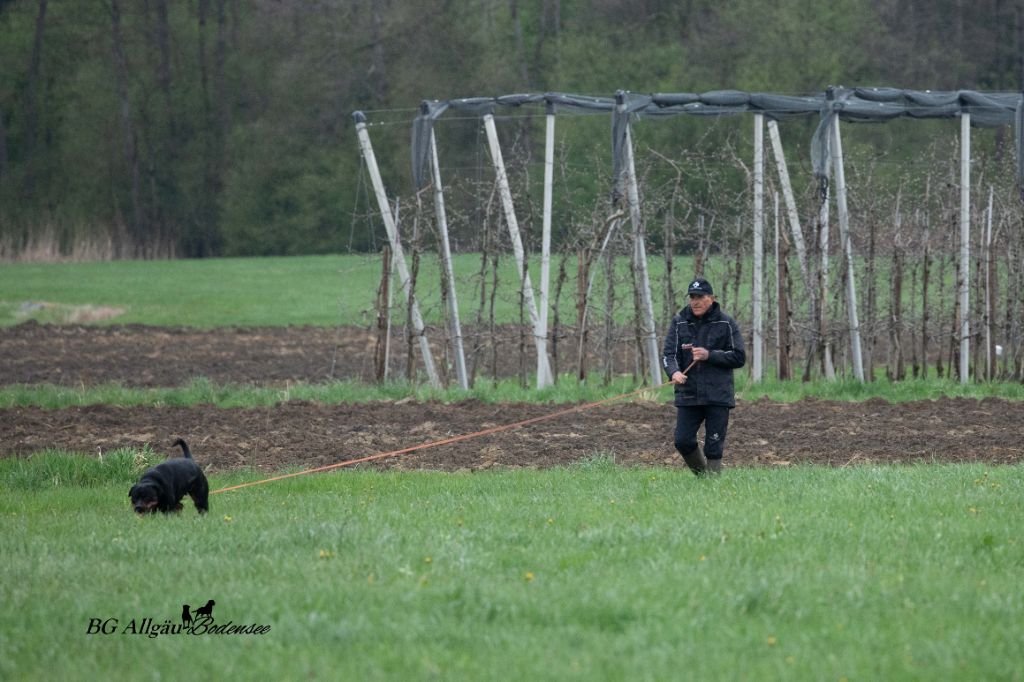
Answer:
(523, 378)
(940, 369)
(32, 99)
(609, 318)
(894, 366)
(954, 334)
(495, 258)
(129, 141)
(486, 245)
(911, 328)
(670, 248)
(556, 317)
(414, 270)
(894, 369)
(738, 269)
(1016, 313)
(163, 74)
(378, 72)
(1011, 320)
(785, 369)
(220, 89)
(582, 279)
(202, 242)
(870, 322)
(925, 271)
(517, 27)
(380, 355)
(698, 257)
(3, 147)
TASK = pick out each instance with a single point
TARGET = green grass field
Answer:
(317, 290)
(587, 572)
(566, 390)
(593, 571)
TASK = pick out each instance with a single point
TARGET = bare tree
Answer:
(32, 96)
(129, 140)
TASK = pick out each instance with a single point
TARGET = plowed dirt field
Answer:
(762, 433)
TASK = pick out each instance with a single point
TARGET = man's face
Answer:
(699, 303)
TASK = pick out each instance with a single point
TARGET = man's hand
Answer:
(700, 354)
(678, 378)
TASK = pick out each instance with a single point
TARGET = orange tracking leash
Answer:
(446, 441)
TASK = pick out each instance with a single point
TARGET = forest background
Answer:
(152, 128)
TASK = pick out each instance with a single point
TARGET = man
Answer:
(702, 334)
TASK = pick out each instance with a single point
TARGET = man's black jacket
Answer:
(709, 382)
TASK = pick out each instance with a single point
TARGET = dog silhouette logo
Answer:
(206, 610)
(194, 621)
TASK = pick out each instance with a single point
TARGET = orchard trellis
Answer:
(987, 109)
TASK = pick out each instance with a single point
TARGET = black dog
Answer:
(162, 487)
(206, 610)
(186, 617)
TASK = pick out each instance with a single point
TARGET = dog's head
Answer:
(144, 498)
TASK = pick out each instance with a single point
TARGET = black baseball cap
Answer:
(699, 285)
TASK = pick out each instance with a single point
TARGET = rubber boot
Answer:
(714, 467)
(696, 461)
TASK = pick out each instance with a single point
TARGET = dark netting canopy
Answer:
(857, 105)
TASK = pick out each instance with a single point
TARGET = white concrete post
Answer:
(545, 247)
(965, 243)
(449, 273)
(396, 247)
(640, 260)
(757, 368)
(544, 377)
(844, 235)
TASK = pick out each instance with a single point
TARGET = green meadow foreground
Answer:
(593, 571)
(587, 571)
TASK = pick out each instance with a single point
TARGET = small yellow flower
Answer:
(227, 519)
(550, 521)
(772, 641)
(528, 576)
(324, 554)
(703, 558)
(427, 560)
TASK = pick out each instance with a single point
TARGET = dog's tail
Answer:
(184, 447)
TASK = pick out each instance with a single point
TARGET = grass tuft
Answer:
(52, 469)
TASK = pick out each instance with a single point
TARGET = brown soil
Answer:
(309, 434)
(144, 357)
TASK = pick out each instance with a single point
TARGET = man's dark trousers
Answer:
(716, 425)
